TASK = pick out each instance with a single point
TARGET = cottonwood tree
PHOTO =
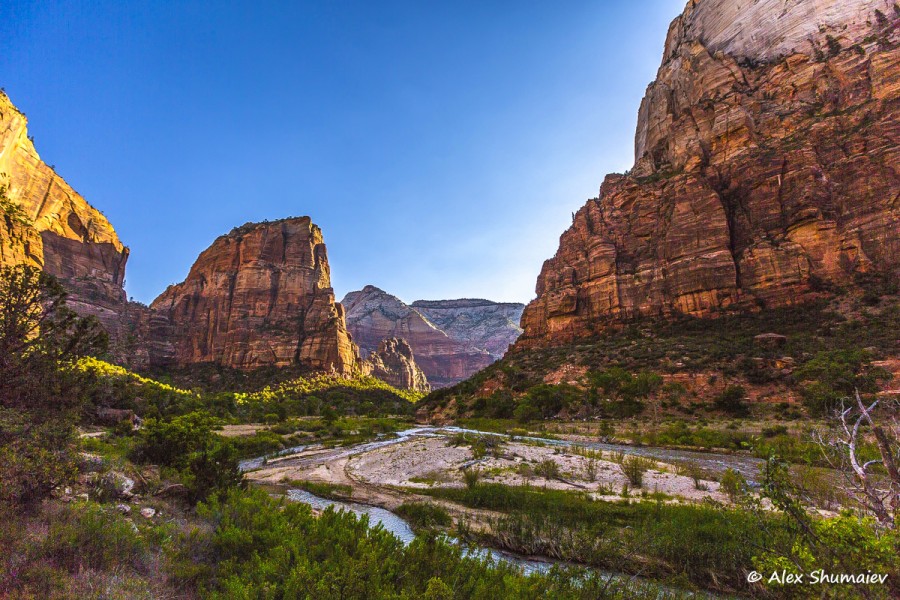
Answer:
(40, 394)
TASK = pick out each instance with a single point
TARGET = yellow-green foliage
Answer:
(103, 369)
(305, 386)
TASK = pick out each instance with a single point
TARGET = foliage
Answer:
(709, 545)
(634, 467)
(835, 374)
(205, 462)
(424, 515)
(733, 484)
(731, 401)
(71, 551)
(849, 543)
(39, 396)
(258, 547)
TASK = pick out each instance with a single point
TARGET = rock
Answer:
(393, 362)
(47, 224)
(451, 339)
(770, 340)
(123, 508)
(765, 154)
(148, 513)
(260, 296)
(114, 485)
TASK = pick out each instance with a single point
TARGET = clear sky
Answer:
(441, 146)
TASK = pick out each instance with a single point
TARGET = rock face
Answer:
(47, 224)
(393, 363)
(472, 334)
(479, 324)
(260, 296)
(766, 170)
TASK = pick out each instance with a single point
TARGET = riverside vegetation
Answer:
(164, 511)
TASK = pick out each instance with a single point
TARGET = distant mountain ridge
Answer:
(451, 339)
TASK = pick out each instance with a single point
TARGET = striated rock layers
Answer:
(393, 363)
(47, 224)
(260, 296)
(766, 170)
(464, 337)
(481, 324)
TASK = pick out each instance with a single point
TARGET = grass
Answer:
(708, 545)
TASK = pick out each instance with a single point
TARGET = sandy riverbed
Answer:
(434, 462)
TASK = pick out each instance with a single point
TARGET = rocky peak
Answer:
(452, 339)
(394, 363)
(763, 173)
(260, 296)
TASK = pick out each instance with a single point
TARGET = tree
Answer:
(872, 474)
(40, 395)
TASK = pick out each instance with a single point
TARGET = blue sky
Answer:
(442, 147)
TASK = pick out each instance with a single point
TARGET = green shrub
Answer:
(634, 467)
(731, 401)
(547, 468)
(423, 515)
(733, 484)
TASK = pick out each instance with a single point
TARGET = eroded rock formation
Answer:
(260, 296)
(393, 362)
(464, 336)
(47, 224)
(766, 170)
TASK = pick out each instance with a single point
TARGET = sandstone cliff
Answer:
(47, 224)
(451, 339)
(766, 171)
(260, 296)
(393, 362)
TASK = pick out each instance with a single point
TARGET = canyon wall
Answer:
(766, 172)
(47, 224)
(260, 296)
(451, 339)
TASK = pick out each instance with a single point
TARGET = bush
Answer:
(634, 467)
(423, 515)
(733, 484)
(731, 401)
(547, 468)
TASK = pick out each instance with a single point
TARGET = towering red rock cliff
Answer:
(45, 223)
(767, 167)
(260, 296)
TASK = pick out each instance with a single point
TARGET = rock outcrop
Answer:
(464, 337)
(766, 171)
(260, 296)
(47, 224)
(393, 362)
